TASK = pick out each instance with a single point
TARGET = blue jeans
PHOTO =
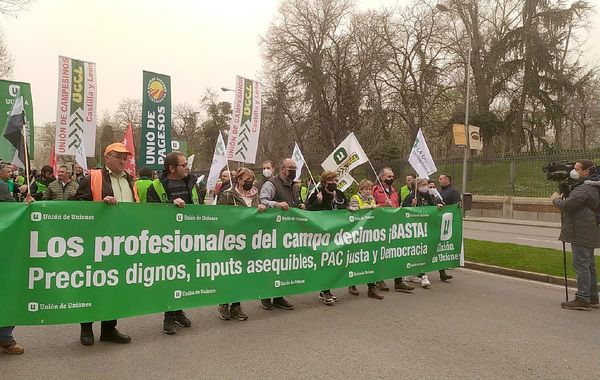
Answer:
(6, 334)
(584, 264)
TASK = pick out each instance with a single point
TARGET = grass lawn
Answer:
(522, 257)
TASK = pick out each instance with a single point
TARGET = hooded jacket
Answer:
(580, 210)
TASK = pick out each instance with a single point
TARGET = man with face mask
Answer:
(581, 214)
(267, 173)
(280, 192)
(386, 195)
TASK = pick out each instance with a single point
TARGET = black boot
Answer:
(87, 334)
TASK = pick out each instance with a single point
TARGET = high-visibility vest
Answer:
(41, 188)
(162, 193)
(141, 186)
(96, 186)
(361, 203)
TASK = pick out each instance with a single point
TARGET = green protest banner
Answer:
(156, 120)
(8, 92)
(67, 262)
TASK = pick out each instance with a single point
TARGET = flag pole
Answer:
(26, 148)
(230, 182)
(378, 180)
(306, 163)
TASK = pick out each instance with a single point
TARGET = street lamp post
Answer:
(443, 8)
(467, 145)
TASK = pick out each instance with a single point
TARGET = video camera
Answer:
(560, 173)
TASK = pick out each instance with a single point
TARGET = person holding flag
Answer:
(327, 197)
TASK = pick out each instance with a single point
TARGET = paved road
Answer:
(479, 326)
(518, 234)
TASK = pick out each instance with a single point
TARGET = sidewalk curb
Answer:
(540, 277)
(514, 222)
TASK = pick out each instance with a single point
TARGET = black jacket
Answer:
(450, 195)
(335, 201)
(153, 197)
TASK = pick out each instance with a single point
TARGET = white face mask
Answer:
(574, 174)
(267, 173)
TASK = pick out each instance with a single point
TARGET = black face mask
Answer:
(247, 185)
(291, 174)
(331, 187)
(388, 182)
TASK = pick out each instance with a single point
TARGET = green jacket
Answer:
(56, 191)
(404, 191)
(142, 185)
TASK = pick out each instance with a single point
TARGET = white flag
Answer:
(348, 155)
(244, 127)
(190, 161)
(420, 157)
(218, 163)
(80, 156)
(299, 159)
(345, 182)
(76, 107)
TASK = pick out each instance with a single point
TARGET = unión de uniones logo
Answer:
(414, 265)
(281, 218)
(36, 216)
(446, 226)
(179, 217)
(177, 294)
(157, 89)
(353, 218)
(33, 307)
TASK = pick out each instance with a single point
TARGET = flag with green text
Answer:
(156, 120)
(244, 128)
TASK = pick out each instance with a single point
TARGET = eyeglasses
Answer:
(185, 164)
(118, 157)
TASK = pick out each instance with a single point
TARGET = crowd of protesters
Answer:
(276, 188)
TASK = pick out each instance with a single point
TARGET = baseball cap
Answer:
(116, 147)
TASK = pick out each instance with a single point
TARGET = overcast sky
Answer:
(198, 43)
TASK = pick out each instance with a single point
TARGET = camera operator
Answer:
(580, 228)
